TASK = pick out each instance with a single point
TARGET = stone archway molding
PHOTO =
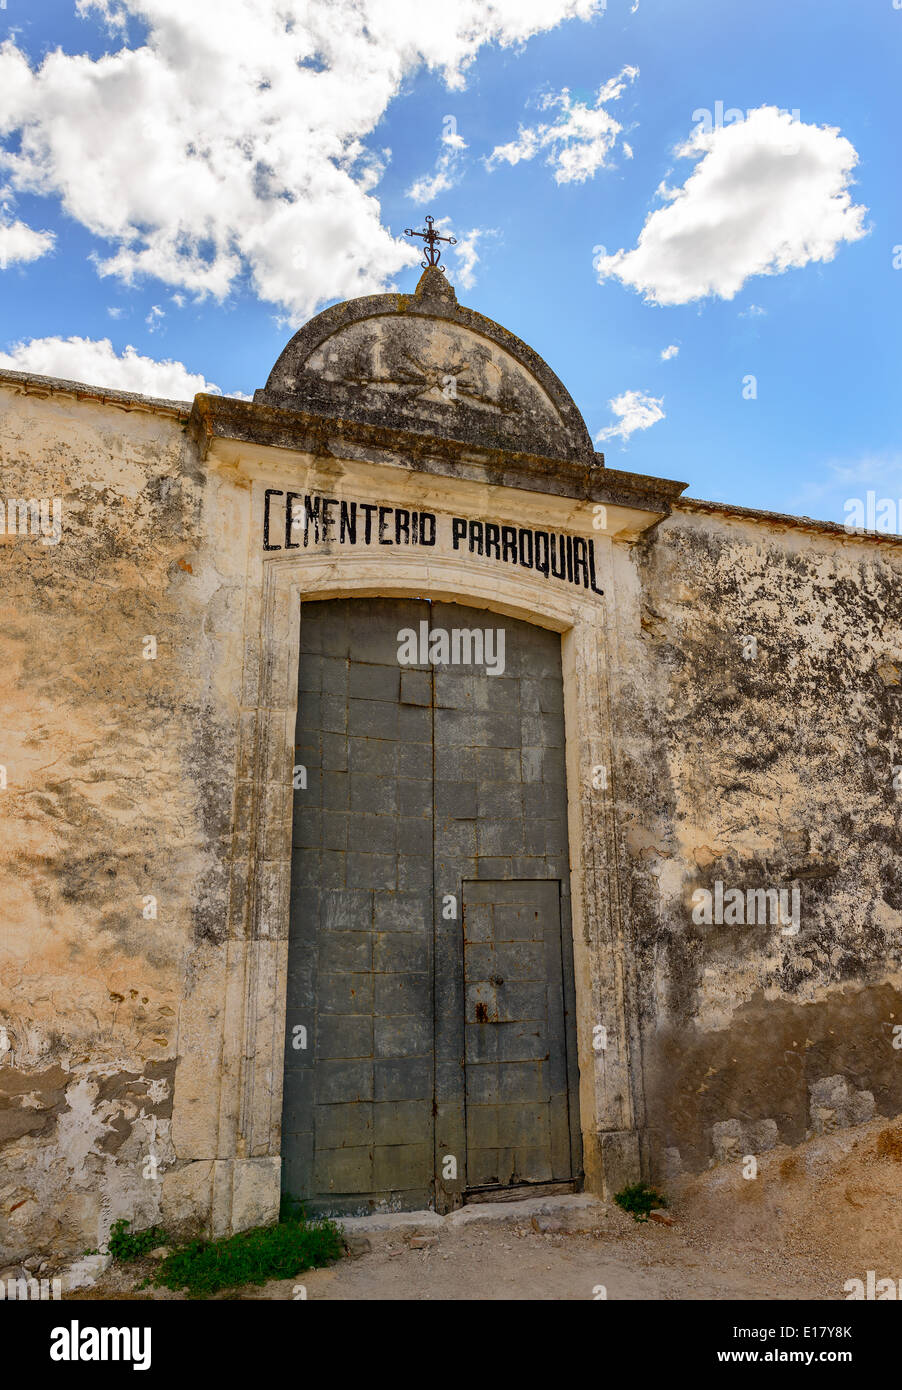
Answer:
(242, 1005)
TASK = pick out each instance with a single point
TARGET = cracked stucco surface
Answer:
(773, 770)
(119, 774)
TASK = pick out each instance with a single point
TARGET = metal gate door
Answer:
(434, 804)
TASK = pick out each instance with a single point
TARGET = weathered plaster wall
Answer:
(128, 778)
(119, 786)
(773, 770)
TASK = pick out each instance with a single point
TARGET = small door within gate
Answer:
(515, 1049)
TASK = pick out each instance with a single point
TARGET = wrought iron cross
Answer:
(430, 237)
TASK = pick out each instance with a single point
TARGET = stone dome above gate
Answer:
(425, 363)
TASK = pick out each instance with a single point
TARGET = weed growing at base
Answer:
(131, 1245)
(639, 1199)
(204, 1267)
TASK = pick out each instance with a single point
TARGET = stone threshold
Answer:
(578, 1202)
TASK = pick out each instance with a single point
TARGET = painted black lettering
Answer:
(290, 499)
(579, 561)
(348, 526)
(368, 508)
(270, 492)
(595, 588)
(311, 513)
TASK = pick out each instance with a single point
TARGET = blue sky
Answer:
(197, 192)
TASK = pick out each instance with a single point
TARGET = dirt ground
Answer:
(813, 1218)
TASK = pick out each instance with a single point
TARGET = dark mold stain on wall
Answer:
(762, 763)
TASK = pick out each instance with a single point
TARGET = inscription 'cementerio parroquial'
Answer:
(306, 520)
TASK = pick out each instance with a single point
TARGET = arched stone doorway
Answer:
(490, 465)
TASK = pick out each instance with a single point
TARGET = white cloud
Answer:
(448, 168)
(112, 14)
(843, 480)
(636, 411)
(230, 145)
(424, 189)
(19, 242)
(871, 470)
(154, 317)
(754, 311)
(766, 194)
(95, 362)
(464, 273)
(669, 352)
(578, 142)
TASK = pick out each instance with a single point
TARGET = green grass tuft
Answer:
(131, 1245)
(639, 1199)
(205, 1267)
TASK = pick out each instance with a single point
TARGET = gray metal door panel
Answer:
(357, 1123)
(431, 794)
(507, 1087)
(516, 1107)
